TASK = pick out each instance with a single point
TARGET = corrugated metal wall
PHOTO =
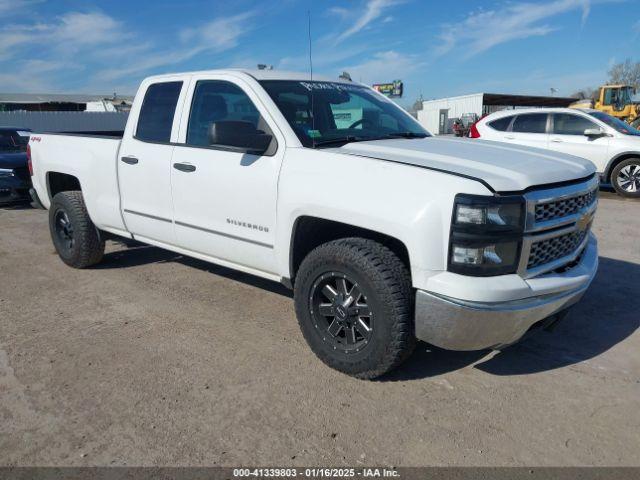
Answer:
(65, 121)
(429, 116)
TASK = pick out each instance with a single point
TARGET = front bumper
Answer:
(456, 324)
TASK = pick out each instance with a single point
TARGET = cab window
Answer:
(156, 115)
(220, 101)
(609, 96)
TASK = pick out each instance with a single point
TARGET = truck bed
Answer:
(117, 134)
(89, 157)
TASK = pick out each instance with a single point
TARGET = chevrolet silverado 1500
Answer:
(385, 233)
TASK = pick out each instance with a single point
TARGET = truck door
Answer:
(144, 162)
(568, 137)
(224, 199)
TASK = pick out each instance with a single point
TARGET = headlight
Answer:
(491, 212)
(486, 235)
(6, 172)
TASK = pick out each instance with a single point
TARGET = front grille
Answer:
(546, 251)
(558, 223)
(572, 264)
(562, 208)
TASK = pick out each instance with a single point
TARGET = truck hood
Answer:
(13, 160)
(503, 166)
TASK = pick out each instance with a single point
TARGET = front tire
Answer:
(625, 178)
(354, 304)
(74, 235)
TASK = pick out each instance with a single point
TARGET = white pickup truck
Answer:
(385, 233)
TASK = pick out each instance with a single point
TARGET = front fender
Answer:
(409, 203)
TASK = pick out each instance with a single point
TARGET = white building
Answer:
(438, 115)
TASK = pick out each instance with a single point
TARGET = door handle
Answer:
(557, 140)
(509, 137)
(130, 160)
(184, 167)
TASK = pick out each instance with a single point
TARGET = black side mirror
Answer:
(239, 135)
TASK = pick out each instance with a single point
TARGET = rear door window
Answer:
(567, 124)
(501, 124)
(530, 123)
(156, 115)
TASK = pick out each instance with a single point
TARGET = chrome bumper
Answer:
(456, 324)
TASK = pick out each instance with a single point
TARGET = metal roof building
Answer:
(63, 102)
(78, 122)
(437, 115)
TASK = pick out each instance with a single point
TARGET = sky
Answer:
(438, 49)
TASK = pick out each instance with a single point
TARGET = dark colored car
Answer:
(15, 180)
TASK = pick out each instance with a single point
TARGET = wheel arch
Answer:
(616, 160)
(309, 232)
(61, 182)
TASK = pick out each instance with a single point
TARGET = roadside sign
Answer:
(391, 90)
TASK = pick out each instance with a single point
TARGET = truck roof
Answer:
(261, 75)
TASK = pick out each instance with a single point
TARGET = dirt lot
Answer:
(157, 359)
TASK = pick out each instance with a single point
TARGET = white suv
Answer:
(612, 145)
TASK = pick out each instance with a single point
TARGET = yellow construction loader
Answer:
(617, 100)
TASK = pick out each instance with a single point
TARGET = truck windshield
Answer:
(332, 113)
(615, 123)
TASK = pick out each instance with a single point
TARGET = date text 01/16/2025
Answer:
(316, 472)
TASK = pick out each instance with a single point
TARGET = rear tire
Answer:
(625, 178)
(374, 332)
(75, 237)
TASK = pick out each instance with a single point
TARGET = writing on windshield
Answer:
(328, 113)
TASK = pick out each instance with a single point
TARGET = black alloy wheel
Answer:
(340, 312)
(354, 304)
(64, 231)
(76, 239)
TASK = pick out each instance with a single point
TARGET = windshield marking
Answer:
(331, 86)
(329, 113)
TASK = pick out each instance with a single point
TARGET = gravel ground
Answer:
(156, 359)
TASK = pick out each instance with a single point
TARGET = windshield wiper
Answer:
(407, 135)
(353, 138)
(333, 141)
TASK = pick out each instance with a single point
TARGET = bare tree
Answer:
(627, 73)
(417, 105)
(585, 93)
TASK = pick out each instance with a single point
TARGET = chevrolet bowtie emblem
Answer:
(583, 222)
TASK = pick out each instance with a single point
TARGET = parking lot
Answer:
(152, 358)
